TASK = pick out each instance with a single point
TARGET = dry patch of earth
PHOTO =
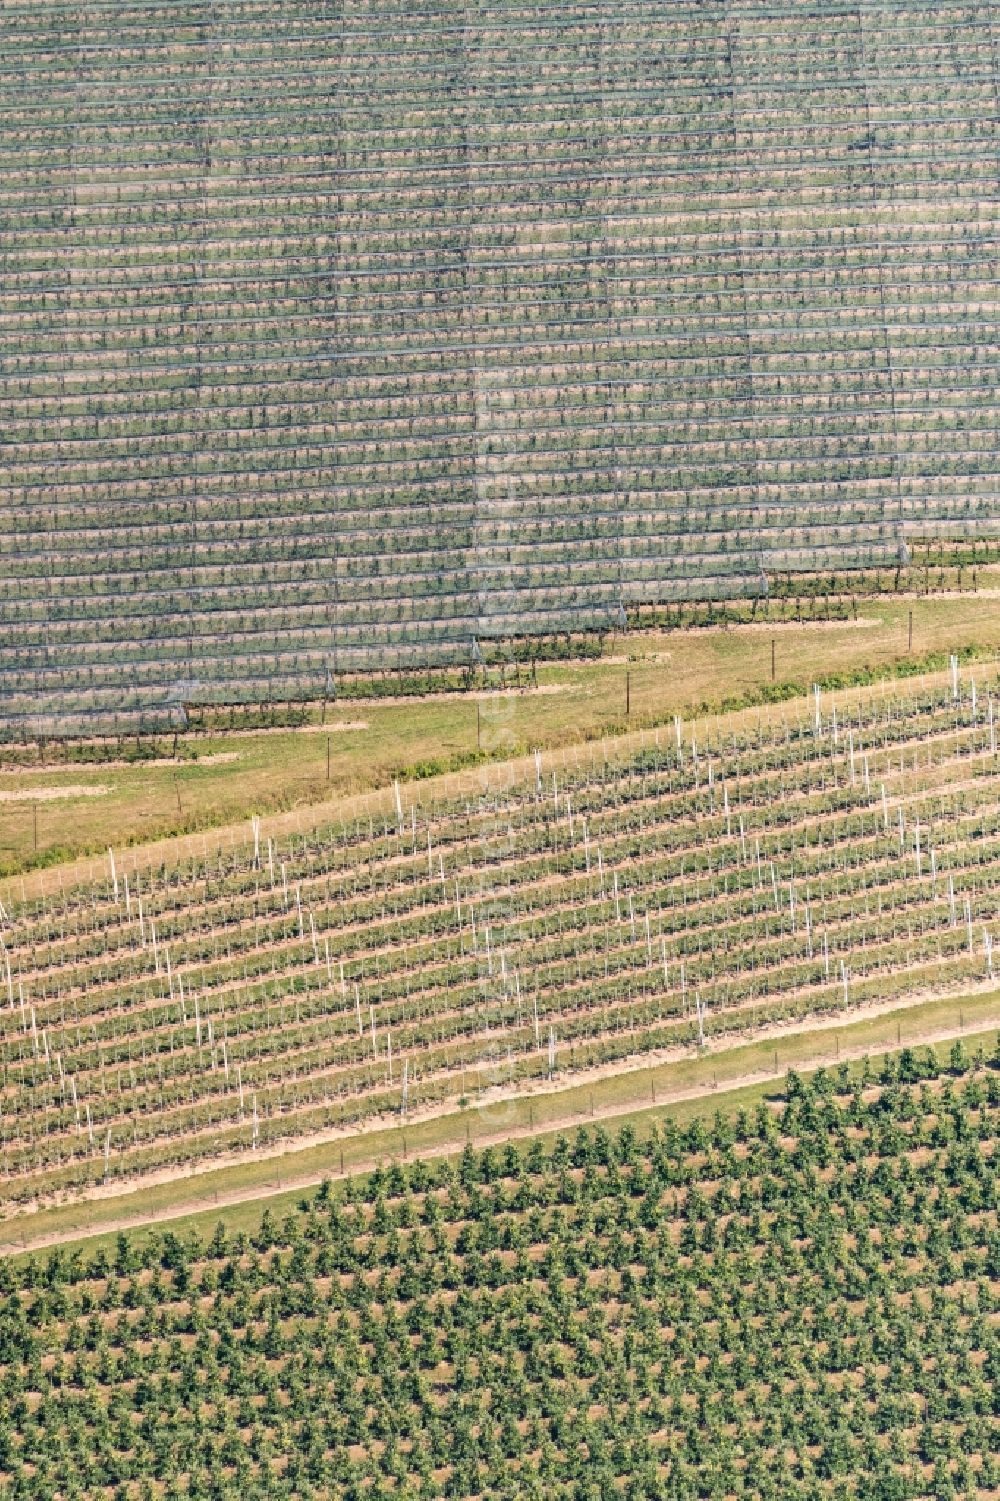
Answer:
(50, 794)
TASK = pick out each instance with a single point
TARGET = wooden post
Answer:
(628, 694)
(328, 758)
(34, 821)
(479, 728)
(772, 659)
(909, 644)
(177, 789)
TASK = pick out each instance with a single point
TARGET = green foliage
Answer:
(417, 344)
(800, 1306)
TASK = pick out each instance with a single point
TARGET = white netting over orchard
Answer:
(335, 335)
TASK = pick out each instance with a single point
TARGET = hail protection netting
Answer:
(337, 336)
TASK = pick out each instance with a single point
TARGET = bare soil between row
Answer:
(490, 1104)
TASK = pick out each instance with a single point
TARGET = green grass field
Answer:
(57, 812)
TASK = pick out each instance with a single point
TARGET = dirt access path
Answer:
(559, 1109)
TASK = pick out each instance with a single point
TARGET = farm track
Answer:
(436, 1056)
(852, 1226)
(739, 779)
(774, 893)
(46, 882)
(638, 1069)
(942, 782)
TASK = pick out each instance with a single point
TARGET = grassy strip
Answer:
(468, 778)
(223, 777)
(729, 1080)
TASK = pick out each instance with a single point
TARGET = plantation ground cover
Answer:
(570, 915)
(668, 672)
(795, 1302)
(387, 334)
(724, 1078)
